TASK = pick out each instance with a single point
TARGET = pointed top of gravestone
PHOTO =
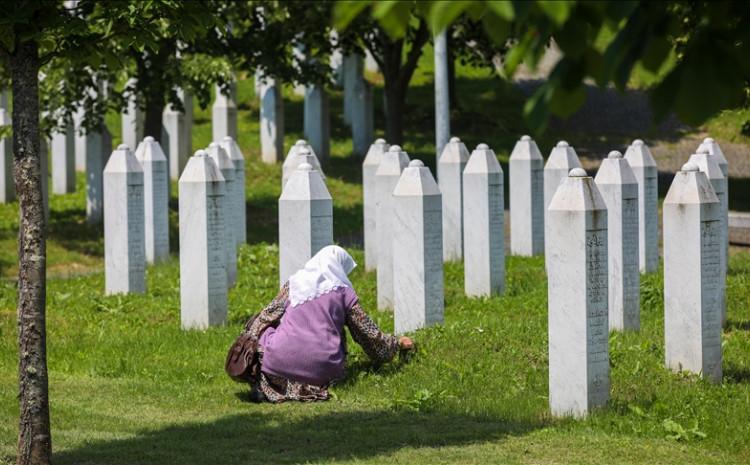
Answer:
(638, 155)
(690, 186)
(526, 149)
(455, 152)
(222, 160)
(300, 143)
(122, 160)
(707, 164)
(577, 173)
(708, 140)
(615, 170)
(232, 149)
(715, 150)
(577, 192)
(416, 180)
(294, 158)
(689, 166)
(201, 168)
(392, 162)
(375, 152)
(305, 183)
(563, 156)
(303, 152)
(150, 150)
(482, 160)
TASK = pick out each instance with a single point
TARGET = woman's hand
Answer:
(405, 343)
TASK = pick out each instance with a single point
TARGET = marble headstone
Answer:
(483, 217)
(417, 242)
(305, 220)
(296, 156)
(124, 238)
(619, 188)
(562, 159)
(203, 274)
(718, 155)
(361, 117)
(707, 164)
(692, 275)
(353, 73)
(526, 199)
(98, 146)
(176, 136)
(79, 139)
(156, 199)
(450, 167)
(7, 185)
(133, 119)
(387, 176)
(226, 166)
(63, 161)
(644, 168)
(224, 113)
(576, 257)
(369, 199)
(271, 121)
(240, 215)
(317, 121)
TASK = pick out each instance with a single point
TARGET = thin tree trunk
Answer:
(452, 97)
(394, 109)
(153, 122)
(34, 439)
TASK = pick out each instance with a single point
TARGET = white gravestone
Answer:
(707, 164)
(271, 121)
(692, 275)
(369, 167)
(526, 177)
(387, 175)
(7, 185)
(203, 274)
(175, 137)
(98, 146)
(644, 167)
(133, 118)
(562, 159)
(79, 139)
(484, 224)
(224, 113)
(300, 153)
(417, 243)
(234, 152)
(305, 220)
(576, 257)
(718, 155)
(450, 167)
(317, 121)
(353, 73)
(63, 161)
(155, 198)
(124, 238)
(362, 117)
(44, 171)
(226, 166)
(619, 188)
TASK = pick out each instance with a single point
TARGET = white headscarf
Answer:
(326, 271)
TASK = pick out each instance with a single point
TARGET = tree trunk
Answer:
(153, 123)
(394, 109)
(34, 439)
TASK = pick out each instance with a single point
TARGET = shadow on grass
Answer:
(260, 437)
(735, 325)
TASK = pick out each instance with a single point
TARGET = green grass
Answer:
(128, 386)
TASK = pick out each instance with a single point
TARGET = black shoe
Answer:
(257, 396)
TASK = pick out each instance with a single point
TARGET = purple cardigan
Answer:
(308, 345)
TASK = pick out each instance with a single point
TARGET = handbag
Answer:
(241, 355)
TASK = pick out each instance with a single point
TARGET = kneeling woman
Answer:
(296, 346)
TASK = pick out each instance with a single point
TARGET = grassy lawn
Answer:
(128, 386)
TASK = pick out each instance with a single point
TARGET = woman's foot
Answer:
(257, 396)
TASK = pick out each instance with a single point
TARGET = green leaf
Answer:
(517, 53)
(556, 10)
(565, 102)
(496, 28)
(345, 11)
(656, 52)
(394, 17)
(536, 109)
(502, 8)
(443, 13)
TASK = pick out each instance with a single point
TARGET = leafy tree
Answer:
(603, 42)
